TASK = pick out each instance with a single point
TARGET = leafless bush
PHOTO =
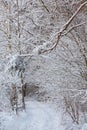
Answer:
(76, 107)
(72, 109)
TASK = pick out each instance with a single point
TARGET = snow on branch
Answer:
(60, 33)
(43, 48)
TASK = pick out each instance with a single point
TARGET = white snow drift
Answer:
(38, 116)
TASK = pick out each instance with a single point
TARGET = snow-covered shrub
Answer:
(76, 105)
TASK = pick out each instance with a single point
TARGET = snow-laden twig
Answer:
(36, 51)
(25, 55)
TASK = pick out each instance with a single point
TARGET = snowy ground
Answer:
(38, 116)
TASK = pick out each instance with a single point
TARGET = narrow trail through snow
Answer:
(38, 116)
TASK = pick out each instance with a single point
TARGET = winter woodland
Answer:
(43, 64)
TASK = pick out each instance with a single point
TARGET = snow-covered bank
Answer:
(38, 116)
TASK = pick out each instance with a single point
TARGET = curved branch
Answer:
(65, 27)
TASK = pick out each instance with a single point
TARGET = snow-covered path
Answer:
(38, 116)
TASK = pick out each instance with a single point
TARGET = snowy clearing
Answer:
(38, 116)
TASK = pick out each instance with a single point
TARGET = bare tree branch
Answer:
(74, 27)
(44, 6)
(66, 26)
(27, 31)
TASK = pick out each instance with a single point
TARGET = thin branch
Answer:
(4, 32)
(44, 6)
(27, 31)
(74, 27)
(74, 15)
